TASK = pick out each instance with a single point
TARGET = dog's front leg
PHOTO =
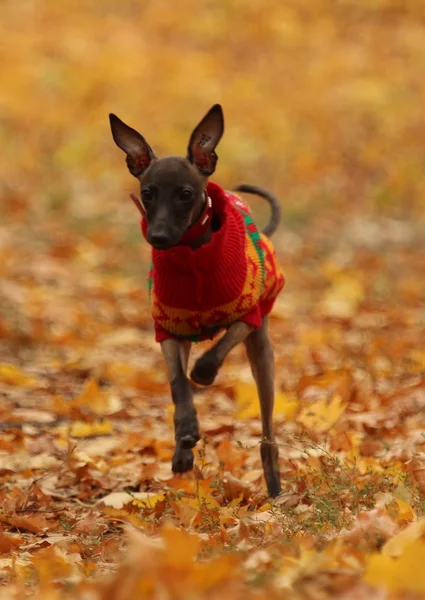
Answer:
(185, 420)
(207, 365)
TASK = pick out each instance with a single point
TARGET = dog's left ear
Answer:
(204, 139)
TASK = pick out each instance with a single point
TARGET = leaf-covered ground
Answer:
(324, 105)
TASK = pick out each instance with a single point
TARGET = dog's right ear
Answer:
(139, 153)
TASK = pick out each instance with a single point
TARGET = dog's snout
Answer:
(159, 239)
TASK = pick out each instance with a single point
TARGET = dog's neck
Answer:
(200, 230)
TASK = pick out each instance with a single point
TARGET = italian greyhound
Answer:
(174, 198)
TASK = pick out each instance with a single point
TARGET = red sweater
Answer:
(235, 276)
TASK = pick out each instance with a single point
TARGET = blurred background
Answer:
(324, 105)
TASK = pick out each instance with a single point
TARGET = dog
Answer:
(212, 270)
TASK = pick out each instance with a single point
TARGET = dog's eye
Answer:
(186, 195)
(147, 195)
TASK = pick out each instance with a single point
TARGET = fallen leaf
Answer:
(405, 572)
(9, 542)
(181, 547)
(320, 416)
(94, 398)
(12, 375)
(249, 406)
(35, 524)
(52, 564)
(397, 545)
(343, 297)
(80, 429)
(234, 488)
(120, 499)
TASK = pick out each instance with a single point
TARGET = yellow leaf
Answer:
(13, 376)
(404, 573)
(397, 545)
(203, 501)
(322, 415)
(405, 511)
(81, 429)
(249, 406)
(247, 400)
(93, 397)
(119, 514)
(144, 499)
(396, 507)
(128, 375)
(343, 297)
(203, 498)
(287, 405)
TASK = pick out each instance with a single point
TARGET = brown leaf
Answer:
(234, 488)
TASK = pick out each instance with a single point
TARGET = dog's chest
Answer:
(197, 292)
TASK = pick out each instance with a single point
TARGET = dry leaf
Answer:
(397, 545)
(80, 429)
(9, 542)
(12, 375)
(321, 415)
(342, 299)
(120, 499)
(403, 573)
(35, 524)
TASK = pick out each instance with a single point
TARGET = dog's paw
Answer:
(182, 460)
(270, 460)
(186, 427)
(205, 370)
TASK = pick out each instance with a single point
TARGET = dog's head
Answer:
(172, 189)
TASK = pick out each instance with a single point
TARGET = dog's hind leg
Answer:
(261, 357)
(186, 427)
(207, 365)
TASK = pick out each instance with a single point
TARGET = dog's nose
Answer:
(159, 239)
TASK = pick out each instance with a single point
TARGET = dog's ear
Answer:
(139, 153)
(204, 139)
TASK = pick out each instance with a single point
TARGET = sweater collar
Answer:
(197, 229)
(225, 248)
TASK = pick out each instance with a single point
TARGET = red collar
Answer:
(194, 232)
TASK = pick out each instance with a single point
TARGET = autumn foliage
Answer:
(324, 105)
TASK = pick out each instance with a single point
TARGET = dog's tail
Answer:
(273, 224)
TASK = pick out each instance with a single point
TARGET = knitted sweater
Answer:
(235, 276)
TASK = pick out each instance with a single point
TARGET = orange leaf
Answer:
(34, 524)
(9, 542)
(181, 547)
